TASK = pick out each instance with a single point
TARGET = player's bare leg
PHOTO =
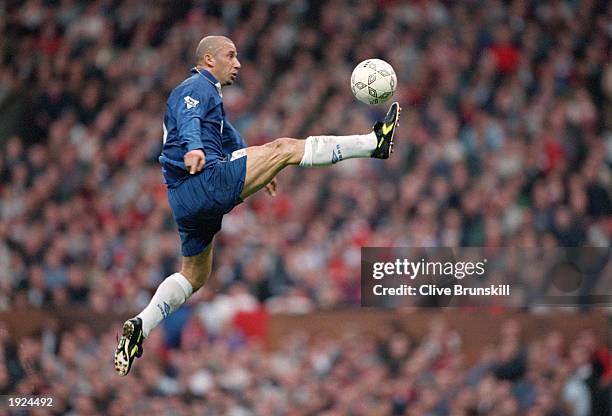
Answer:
(197, 269)
(265, 162)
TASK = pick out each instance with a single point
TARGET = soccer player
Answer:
(208, 170)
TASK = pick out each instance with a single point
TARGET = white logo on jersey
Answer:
(190, 102)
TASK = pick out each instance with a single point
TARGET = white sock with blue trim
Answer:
(327, 150)
(168, 297)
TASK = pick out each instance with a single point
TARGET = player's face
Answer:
(226, 64)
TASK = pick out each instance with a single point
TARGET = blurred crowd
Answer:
(504, 140)
(355, 374)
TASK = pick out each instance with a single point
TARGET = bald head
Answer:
(210, 45)
(218, 55)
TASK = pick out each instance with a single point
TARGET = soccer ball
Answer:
(373, 81)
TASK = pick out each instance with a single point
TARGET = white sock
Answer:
(170, 294)
(326, 150)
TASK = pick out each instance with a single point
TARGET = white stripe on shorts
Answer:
(237, 154)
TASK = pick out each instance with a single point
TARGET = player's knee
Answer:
(283, 147)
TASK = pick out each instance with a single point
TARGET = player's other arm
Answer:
(189, 118)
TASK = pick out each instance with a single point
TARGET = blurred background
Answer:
(506, 140)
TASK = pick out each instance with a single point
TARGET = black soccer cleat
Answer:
(385, 130)
(130, 345)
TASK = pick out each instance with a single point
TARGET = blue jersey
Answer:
(195, 119)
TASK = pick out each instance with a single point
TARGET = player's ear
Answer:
(209, 60)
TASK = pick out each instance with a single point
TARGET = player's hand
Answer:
(271, 187)
(194, 161)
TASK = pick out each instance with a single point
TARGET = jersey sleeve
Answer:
(191, 109)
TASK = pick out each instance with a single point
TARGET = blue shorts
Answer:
(200, 201)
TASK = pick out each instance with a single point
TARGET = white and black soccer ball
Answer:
(373, 81)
